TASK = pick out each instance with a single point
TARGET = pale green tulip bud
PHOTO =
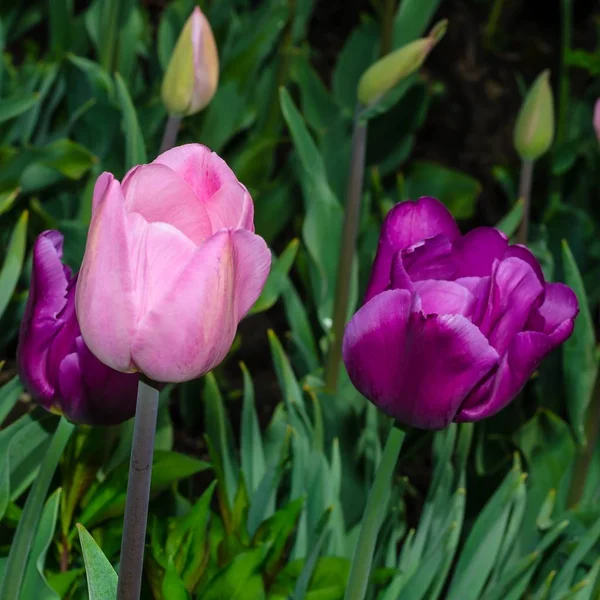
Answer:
(534, 130)
(193, 72)
(388, 71)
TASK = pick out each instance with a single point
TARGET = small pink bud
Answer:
(597, 119)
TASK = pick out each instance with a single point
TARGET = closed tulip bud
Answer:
(452, 326)
(387, 72)
(54, 363)
(534, 130)
(171, 266)
(193, 72)
(597, 118)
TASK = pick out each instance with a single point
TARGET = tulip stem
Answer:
(525, 195)
(26, 529)
(138, 493)
(373, 517)
(387, 26)
(170, 135)
(347, 247)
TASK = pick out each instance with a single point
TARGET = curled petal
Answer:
(478, 250)
(406, 224)
(105, 295)
(523, 253)
(430, 259)
(416, 369)
(231, 207)
(560, 305)
(444, 298)
(159, 194)
(514, 291)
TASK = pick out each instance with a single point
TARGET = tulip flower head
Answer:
(54, 363)
(452, 326)
(171, 266)
(192, 75)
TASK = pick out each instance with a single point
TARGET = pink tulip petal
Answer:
(160, 195)
(444, 298)
(204, 171)
(105, 295)
(100, 187)
(252, 265)
(159, 254)
(193, 326)
(231, 207)
(391, 354)
(514, 291)
(406, 224)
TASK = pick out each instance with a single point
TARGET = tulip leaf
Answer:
(218, 430)
(252, 450)
(13, 261)
(7, 199)
(412, 19)
(108, 498)
(35, 584)
(9, 394)
(457, 190)
(101, 576)
(484, 542)
(277, 280)
(17, 105)
(510, 222)
(173, 587)
(135, 148)
(580, 359)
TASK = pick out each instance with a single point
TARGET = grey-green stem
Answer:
(525, 193)
(138, 493)
(347, 248)
(170, 134)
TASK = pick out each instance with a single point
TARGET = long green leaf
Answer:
(412, 20)
(29, 522)
(580, 361)
(13, 263)
(135, 148)
(101, 577)
(17, 105)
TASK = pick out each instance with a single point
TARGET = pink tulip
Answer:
(171, 266)
(597, 119)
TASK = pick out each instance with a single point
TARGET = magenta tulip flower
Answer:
(54, 363)
(171, 266)
(452, 326)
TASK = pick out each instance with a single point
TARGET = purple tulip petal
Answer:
(478, 250)
(560, 304)
(444, 298)
(525, 254)
(159, 194)
(406, 224)
(480, 290)
(524, 355)
(399, 277)
(514, 291)
(47, 298)
(430, 259)
(416, 369)
(105, 297)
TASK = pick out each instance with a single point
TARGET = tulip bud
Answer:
(54, 363)
(383, 75)
(193, 72)
(534, 130)
(597, 119)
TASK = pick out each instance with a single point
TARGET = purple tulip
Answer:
(452, 326)
(54, 363)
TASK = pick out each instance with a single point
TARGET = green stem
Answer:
(349, 235)
(133, 541)
(170, 135)
(373, 517)
(525, 194)
(387, 26)
(26, 529)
